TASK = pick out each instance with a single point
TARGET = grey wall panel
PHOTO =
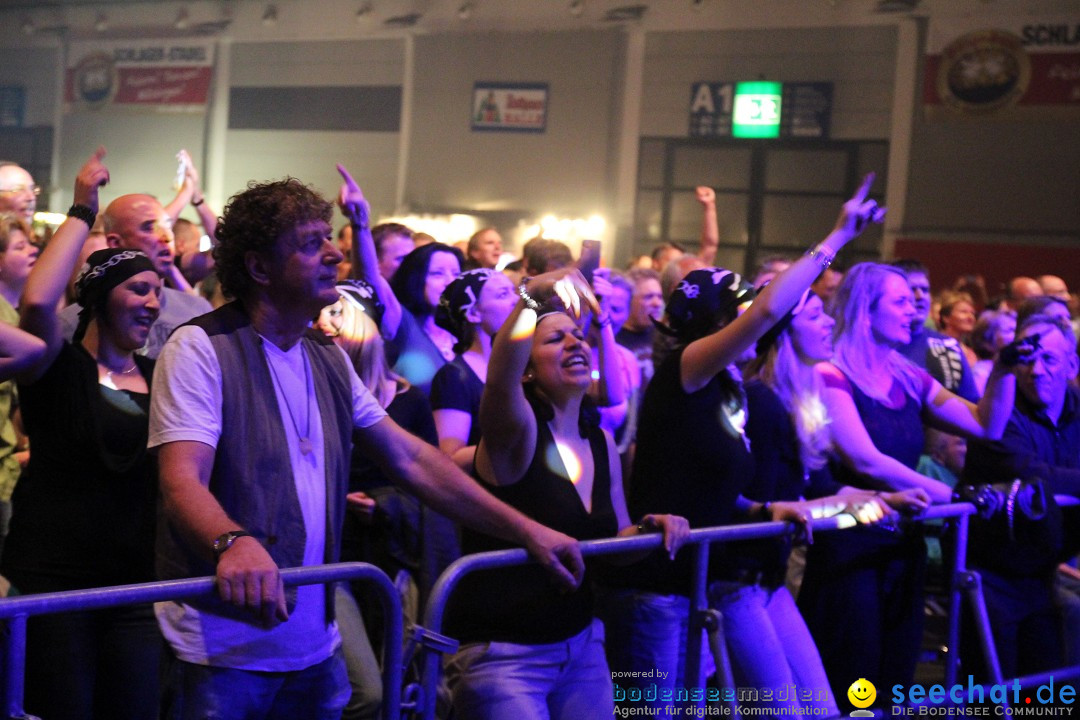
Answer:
(360, 109)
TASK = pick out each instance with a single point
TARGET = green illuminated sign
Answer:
(757, 110)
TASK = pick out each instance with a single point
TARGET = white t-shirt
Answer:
(186, 405)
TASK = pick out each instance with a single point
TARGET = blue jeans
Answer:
(360, 663)
(646, 633)
(204, 692)
(771, 648)
(567, 680)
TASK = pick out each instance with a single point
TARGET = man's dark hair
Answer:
(411, 276)
(543, 255)
(910, 266)
(255, 220)
(670, 245)
(384, 231)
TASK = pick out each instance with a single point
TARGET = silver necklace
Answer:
(109, 373)
(305, 439)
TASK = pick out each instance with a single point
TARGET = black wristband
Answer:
(84, 213)
(197, 203)
(765, 513)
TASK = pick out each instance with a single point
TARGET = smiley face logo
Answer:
(862, 693)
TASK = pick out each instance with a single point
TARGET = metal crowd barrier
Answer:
(962, 581)
(15, 610)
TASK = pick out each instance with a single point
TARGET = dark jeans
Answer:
(1026, 625)
(862, 598)
(100, 664)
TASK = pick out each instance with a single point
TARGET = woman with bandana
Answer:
(693, 457)
(529, 650)
(84, 509)
(472, 308)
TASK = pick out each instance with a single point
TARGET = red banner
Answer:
(147, 75)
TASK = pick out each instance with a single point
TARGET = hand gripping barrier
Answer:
(15, 610)
(702, 618)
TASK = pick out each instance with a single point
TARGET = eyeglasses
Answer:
(35, 190)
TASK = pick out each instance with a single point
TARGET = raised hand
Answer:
(570, 286)
(351, 200)
(91, 177)
(858, 212)
(705, 195)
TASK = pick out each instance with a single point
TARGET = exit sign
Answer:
(760, 109)
(757, 109)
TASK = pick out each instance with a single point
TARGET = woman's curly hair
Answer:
(255, 220)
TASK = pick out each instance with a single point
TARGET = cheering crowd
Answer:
(295, 396)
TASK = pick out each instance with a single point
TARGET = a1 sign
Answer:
(760, 109)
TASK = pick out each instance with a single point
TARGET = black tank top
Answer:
(522, 604)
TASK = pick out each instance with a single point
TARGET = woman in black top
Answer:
(693, 458)
(473, 307)
(528, 649)
(84, 509)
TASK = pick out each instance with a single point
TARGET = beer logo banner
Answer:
(1026, 67)
(154, 75)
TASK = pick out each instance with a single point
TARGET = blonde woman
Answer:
(862, 593)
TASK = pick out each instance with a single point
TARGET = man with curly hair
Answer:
(253, 416)
(139, 222)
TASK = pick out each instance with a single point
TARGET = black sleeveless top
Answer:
(523, 604)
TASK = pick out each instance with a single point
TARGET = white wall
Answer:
(565, 170)
(311, 155)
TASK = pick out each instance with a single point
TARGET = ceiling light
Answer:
(465, 11)
(363, 13)
(182, 20)
(577, 7)
(101, 24)
(269, 16)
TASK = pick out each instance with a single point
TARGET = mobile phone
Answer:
(590, 258)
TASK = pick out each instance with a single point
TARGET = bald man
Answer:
(1054, 286)
(18, 193)
(1019, 289)
(139, 222)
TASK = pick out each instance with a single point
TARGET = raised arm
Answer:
(610, 390)
(710, 228)
(199, 263)
(704, 358)
(184, 192)
(49, 278)
(857, 450)
(365, 261)
(987, 420)
(507, 424)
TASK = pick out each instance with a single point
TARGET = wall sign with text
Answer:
(504, 107)
(760, 109)
(156, 75)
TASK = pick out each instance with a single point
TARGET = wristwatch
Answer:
(224, 541)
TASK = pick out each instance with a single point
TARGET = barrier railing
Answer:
(960, 581)
(15, 610)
